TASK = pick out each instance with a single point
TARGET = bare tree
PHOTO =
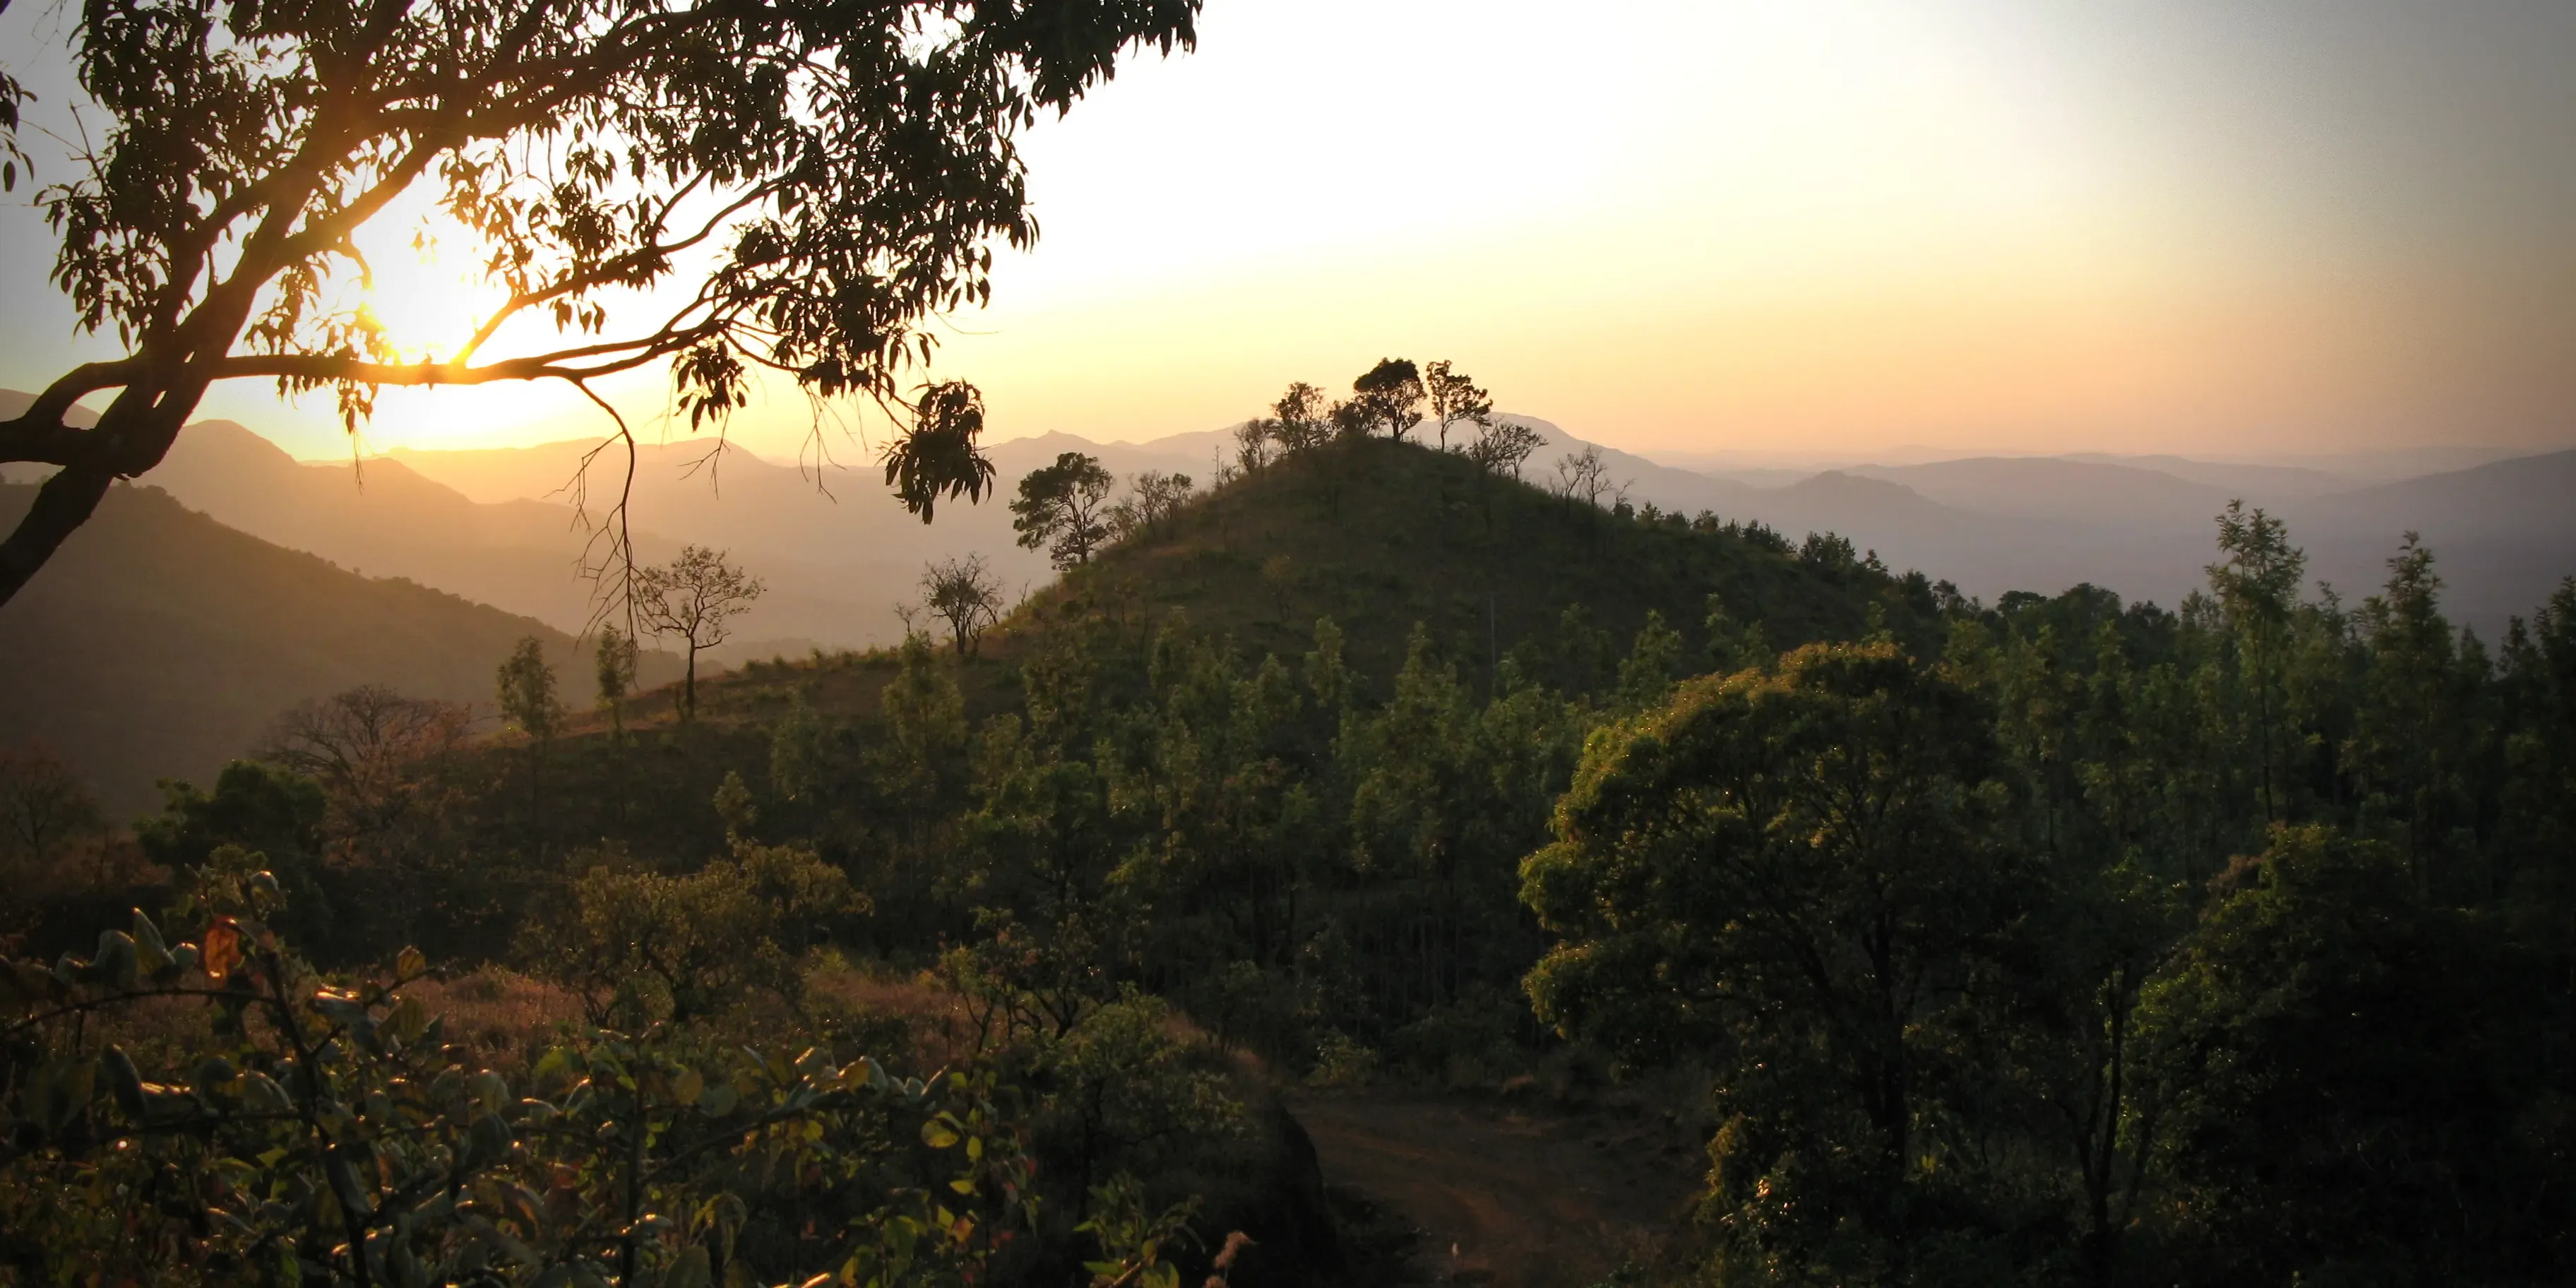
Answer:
(696, 597)
(43, 803)
(1503, 446)
(1583, 476)
(965, 594)
(368, 747)
(1159, 497)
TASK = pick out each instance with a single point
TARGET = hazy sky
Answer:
(2215, 226)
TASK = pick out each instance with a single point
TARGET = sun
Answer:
(424, 306)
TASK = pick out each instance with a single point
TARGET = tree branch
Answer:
(63, 504)
(30, 439)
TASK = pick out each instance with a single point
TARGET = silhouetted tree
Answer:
(613, 664)
(965, 594)
(1159, 497)
(696, 597)
(1350, 420)
(1303, 420)
(1502, 446)
(1455, 400)
(525, 686)
(1256, 441)
(43, 803)
(365, 747)
(833, 174)
(939, 457)
(1388, 396)
(1583, 476)
(1059, 509)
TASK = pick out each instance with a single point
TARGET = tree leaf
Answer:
(222, 950)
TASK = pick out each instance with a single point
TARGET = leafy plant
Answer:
(287, 1128)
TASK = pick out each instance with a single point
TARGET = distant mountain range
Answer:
(499, 526)
(161, 643)
(2503, 533)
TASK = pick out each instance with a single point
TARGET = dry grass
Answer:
(499, 1013)
(918, 1013)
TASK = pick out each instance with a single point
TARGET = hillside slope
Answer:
(1380, 536)
(160, 643)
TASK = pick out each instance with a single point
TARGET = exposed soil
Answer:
(1513, 1197)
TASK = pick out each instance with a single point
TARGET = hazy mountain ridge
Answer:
(830, 537)
(497, 524)
(160, 643)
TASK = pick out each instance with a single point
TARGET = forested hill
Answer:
(1381, 535)
(1383, 538)
(160, 643)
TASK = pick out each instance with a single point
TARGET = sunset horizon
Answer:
(1830, 233)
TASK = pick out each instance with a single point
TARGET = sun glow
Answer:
(1992, 224)
(422, 289)
(422, 303)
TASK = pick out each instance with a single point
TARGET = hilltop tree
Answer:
(696, 597)
(1060, 509)
(1256, 442)
(1388, 396)
(614, 664)
(1350, 419)
(837, 171)
(1455, 400)
(965, 594)
(1302, 419)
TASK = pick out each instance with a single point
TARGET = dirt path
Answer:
(1509, 1198)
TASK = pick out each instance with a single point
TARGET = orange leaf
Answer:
(223, 949)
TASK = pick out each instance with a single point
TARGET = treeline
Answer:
(2226, 945)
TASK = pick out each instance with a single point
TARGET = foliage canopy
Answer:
(794, 188)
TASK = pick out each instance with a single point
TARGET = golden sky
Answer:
(1828, 227)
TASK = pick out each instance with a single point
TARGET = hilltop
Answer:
(1380, 536)
(1383, 537)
